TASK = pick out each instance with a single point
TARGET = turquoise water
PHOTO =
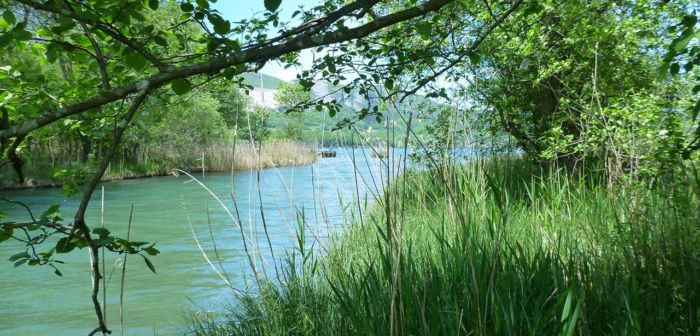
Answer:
(37, 302)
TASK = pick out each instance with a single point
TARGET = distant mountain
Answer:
(265, 95)
(314, 122)
(268, 82)
(355, 101)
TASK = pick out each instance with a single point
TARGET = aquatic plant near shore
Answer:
(494, 249)
(218, 157)
(245, 156)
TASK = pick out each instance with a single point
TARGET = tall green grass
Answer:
(495, 248)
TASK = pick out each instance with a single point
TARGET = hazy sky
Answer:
(236, 10)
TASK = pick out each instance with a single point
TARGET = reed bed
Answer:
(495, 248)
(162, 160)
(227, 156)
(246, 156)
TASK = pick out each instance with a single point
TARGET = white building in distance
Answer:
(264, 97)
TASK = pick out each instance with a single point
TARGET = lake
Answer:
(37, 302)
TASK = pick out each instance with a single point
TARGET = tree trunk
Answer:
(17, 161)
(87, 145)
(4, 124)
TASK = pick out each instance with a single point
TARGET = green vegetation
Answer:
(558, 89)
(593, 230)
(171, 132)
(589, 227)
(494, 248)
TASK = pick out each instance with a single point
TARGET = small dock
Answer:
(326, 153)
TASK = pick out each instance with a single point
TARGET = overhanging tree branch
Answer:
(472, 48)
(106, 28)
(320, 23)
(101, 61)
(246, 56)
(79, 222)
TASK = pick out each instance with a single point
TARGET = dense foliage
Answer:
(602, 88)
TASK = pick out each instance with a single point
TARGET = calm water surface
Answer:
(37, 302)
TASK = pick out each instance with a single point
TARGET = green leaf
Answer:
(103, 241)
(424, 29)
(474, 58)
(161, 41)
(389, 84)
(153, 4)
(149, 264)
(64, 245)
(20, 262)
(9, 17)
(136, 61)
(22, 35)
(567, 306)
(272, 5)
(696, 110)
(6, 38)
(70, 188)
(181, 86)
(663, 70)
(6, 234)
(675, 68)
(147, 30)
(151, 250)
(52, 213)
(229, 73)
(689, 21)
(186, 7)
(680, 43)
(102, 232)
(221, 26)
(18, 256)
(571, 328)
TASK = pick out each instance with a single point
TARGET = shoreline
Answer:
(44, 184)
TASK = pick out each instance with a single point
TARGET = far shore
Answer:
(41, 184)
(219, 158)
